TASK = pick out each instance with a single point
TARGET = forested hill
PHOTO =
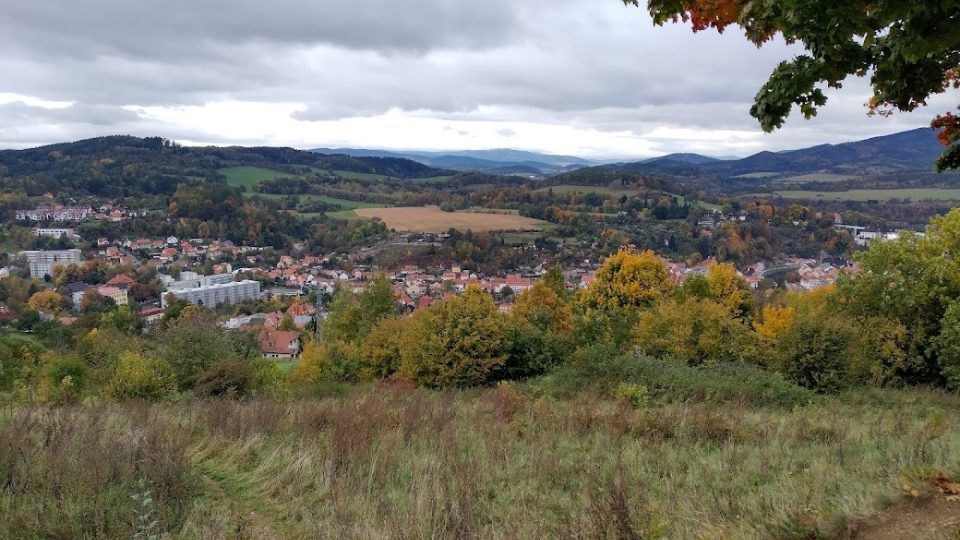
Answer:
(123, 165)
(914, 150)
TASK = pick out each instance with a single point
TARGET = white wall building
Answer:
(214, 294)
(42, 262)
(54, 232)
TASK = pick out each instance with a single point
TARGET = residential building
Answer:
(151, 315)
(119, 296)
(278, 344)
(214, 294)
(54, 232)
(42, 262)
(55, 213)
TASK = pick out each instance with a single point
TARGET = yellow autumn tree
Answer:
(695, 331)
(380, 351)
(542, 307)
(629, 280)
(728, 289)
(46, 301)
(775, 320)
(309, 368)
(455, 343)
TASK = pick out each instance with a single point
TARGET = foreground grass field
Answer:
(433, 220)
(510, 462)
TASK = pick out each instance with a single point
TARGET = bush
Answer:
(380, 351)
(267, 378)
(226, 379)
(194, 343)
(530, 351)
(636, 395)
(455, 343)
(695, 331)
(139, 378)
(65, 380)
(598, 369)
(814, 353)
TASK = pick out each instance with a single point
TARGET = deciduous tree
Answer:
(911, 51)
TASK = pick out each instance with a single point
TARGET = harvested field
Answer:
(432, 219)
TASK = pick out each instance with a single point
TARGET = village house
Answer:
(278, 344)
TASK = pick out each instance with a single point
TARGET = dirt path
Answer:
(933, 518)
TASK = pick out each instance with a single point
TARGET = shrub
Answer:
(267, 377)
(602, 370)
(530, 351)
(332, 360)
(139, 378)
(636, 395)
(694, 331)
(194, 343)
(380, 352)
(455, 343)
(226, 379)
(814, 351)
(65, 378)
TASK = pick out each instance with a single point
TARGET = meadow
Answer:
(600, 190)
(916, 194)
(515, 461)
(817, 177)
(433, 220)
(250, 176)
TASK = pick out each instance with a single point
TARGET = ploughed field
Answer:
(431, 219)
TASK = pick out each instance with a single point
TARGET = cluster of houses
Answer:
(75, 214)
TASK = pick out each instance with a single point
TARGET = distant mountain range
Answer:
(503, 161)
(914, 150)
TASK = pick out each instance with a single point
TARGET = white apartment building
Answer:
(54, 232)
(214, 294)
(42, 262)
(55, 213)
(192, 280)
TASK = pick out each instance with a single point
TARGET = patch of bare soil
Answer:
(916, 519)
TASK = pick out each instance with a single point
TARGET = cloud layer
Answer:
(569, 76)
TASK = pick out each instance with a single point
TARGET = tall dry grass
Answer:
(394, 462)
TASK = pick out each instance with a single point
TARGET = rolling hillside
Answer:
(914, 150)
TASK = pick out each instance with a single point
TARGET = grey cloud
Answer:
(592, 64)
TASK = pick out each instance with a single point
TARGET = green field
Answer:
(758, 175)
(250, 176)
(343, 203)
(916, 194)
(817, 177)
(600, 190)
(348, 215)
(350, 175)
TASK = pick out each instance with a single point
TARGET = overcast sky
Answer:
(585, 77)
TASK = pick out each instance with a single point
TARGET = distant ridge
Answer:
(914, 150)
(499, 161)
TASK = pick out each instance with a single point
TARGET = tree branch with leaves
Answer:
(910, 51)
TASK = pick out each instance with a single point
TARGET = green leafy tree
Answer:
(910, 49)
(192, 344)
(352, 317)
(911, 282)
